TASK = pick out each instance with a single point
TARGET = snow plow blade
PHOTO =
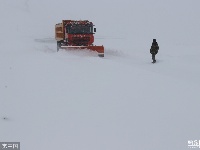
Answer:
(98, 49)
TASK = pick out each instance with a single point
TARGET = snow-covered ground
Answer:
(75, 100)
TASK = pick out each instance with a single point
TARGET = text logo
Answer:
(9, 145)
(193, 143)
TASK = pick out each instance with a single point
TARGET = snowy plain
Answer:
(75, 100)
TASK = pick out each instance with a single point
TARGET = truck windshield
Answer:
(79, 29)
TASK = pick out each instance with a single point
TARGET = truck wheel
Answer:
(58, 45)
(101, 55)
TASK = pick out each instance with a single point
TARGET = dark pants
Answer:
(153, 57)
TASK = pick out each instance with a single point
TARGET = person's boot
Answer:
(154, 61)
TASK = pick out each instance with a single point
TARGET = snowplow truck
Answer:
(72, 34)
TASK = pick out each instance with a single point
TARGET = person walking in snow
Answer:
(154, 50)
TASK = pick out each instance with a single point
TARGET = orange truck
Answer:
(76, 34)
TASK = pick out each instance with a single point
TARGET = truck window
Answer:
(79, 29)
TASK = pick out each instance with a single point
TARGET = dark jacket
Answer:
(154, 48)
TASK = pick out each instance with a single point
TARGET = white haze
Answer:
(75, 100)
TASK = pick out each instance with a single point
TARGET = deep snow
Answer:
(75, 100)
